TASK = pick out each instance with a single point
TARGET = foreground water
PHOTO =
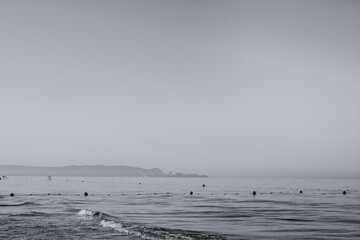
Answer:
(162, 208)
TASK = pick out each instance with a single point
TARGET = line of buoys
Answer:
(254, 193)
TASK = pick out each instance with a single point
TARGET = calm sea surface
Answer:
(162, 208)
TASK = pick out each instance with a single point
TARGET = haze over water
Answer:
(240, 88)
(236, 89)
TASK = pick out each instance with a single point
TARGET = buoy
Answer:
(11, 195)
(300, 191)
(191, 193)
(86, 194)
(203, 185)
(254, 193)
(344, 192)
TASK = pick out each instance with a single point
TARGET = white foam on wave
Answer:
(85, 212)
(118, 227)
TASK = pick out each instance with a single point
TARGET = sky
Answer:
(224, 88)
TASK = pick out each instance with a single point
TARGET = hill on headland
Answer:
(86, 171)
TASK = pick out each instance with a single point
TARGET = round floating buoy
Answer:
(344, 192)
(203, 185)
(86, 194)
(11, 195)
(300, 191)
(191, 193)
(254, 193)
(48, 193)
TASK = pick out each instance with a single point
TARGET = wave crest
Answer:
(88, 213)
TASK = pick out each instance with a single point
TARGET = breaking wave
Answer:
(147, 232)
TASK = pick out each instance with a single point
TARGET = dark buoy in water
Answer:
(191, 193)
(254, 193)
(48, 193)
(11, 195)
(203, 185)
(344, 192)
(300, 191)
(86, 194)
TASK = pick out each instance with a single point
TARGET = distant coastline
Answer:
(90, 171)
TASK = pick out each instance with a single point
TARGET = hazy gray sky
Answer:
(214, 87)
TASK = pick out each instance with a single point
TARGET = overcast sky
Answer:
(214, 87)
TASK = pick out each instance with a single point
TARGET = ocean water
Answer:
(162, 208)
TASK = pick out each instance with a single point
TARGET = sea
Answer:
(163, 208)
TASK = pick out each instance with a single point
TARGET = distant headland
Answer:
(89, 171)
